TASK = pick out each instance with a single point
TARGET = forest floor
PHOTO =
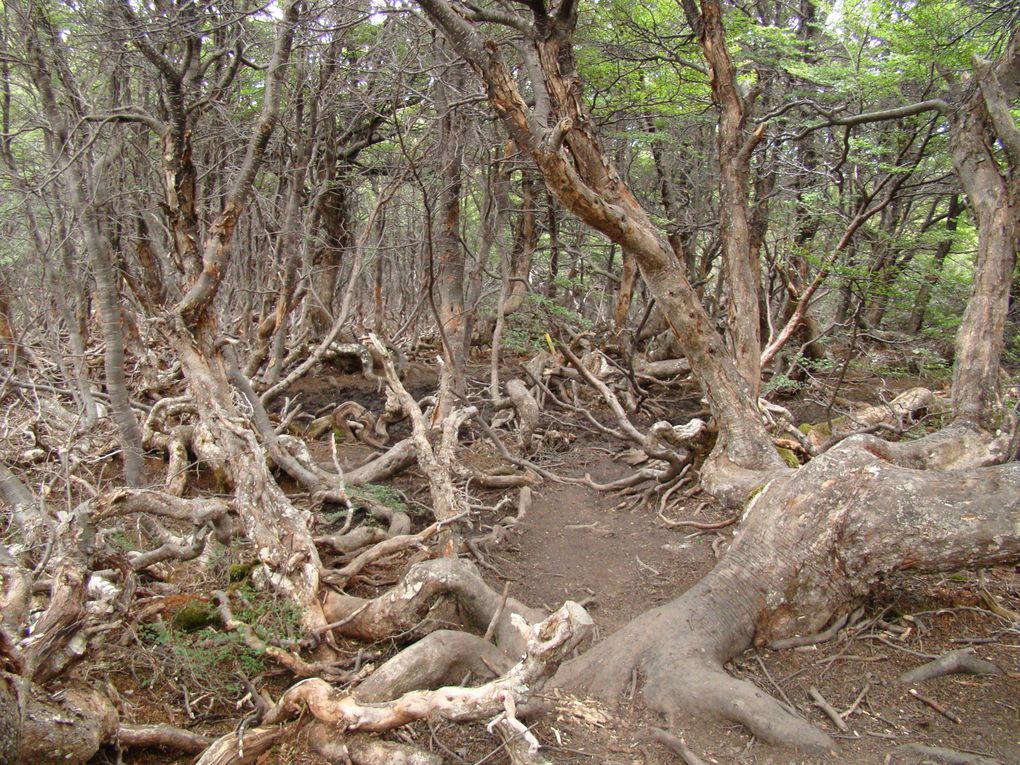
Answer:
(579, 544)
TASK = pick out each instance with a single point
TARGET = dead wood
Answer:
(527, 412)
(436, 463)
(962, 661)
(673, 452)
(942, 755)
(340, 578)
(519, 742)
(825, 706)
(660, 370)
(547, 643)
(356, 422)
(947, 713)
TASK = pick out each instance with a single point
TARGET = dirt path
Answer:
(575, 545)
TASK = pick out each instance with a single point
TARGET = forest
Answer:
(510, 381)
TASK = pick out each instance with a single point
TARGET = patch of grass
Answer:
(377, 492)
(192, 650)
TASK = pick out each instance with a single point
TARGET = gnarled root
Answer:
(547, 643)
(674, 650)
(364, 749)
(40, 730)
(403, 607)
(440, 658)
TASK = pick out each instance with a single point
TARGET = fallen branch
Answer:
(945, 756)
(676, 745)
(341, 577)
(949, 715)
(446, 500)
(962, 661)
(826, 707)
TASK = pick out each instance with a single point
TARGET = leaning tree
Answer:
(811, 542)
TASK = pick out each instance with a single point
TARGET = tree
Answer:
(782, 568)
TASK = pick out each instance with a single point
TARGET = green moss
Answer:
(788, 456)
(195, 616)
(823, 429)
(238, 572)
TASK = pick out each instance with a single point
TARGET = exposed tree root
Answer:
(547, 643)
(405, 605)
(440, 658)
(47, 730)
(244, 747)
(809, 545)
(394, 460)
(161, 737)
(363, 749)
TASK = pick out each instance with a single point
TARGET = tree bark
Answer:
(450, 268)
(994, 198)
(735, 146)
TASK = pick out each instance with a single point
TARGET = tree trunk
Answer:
(450, 268)
(553, 228)
(588, 185)
(98, 249)
(735, 146)
(524, 243)
(994, 197)
(941, 252)
(277, 529)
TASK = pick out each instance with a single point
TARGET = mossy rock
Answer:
(195, 616)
